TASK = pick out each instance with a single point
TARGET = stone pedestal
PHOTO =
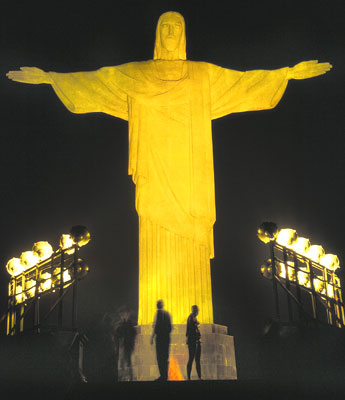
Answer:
(217, 354)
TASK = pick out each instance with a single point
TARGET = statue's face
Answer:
(171, 31)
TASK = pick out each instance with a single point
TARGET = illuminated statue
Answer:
(169, 103)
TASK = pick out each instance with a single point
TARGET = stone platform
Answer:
(217, 354)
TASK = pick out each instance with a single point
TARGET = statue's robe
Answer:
(171, 162)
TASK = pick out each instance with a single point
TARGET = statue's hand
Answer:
(308, 69)
(31, 75)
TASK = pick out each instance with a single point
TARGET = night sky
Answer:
(285, 165)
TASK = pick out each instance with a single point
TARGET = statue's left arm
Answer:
(235, 91)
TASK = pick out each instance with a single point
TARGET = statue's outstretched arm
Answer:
(308, 69)
(31, 75)
(81, 92)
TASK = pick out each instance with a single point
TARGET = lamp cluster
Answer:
(41, 269)
(288, 238)
(294, 260)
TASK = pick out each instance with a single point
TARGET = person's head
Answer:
(108, 319)
(160, 304)
(124, 313)
(124, 316)
(195, 310)
(170, 37)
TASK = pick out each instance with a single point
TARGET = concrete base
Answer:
(217, 354)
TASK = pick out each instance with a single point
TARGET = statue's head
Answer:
(170, 37)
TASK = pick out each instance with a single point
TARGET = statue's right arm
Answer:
(30, 75)
(81, 92)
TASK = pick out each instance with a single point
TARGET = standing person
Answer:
(124, 338)
(161, 331)
(194, 342)
(104, 350)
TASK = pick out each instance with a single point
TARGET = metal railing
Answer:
(311, 289)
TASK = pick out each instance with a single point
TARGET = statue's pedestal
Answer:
(217, 354)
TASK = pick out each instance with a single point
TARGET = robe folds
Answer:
(169, 111)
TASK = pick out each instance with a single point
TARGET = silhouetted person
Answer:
(124, 339)
(161, 331)
(194, 342)
(103, 349)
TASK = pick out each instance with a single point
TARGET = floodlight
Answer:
(281, 270)
(66, 242)
(330, 290)
(303, 278)
(20, 296)
(330, 261)
(14, 267)
(80, 235)
(266, 269)
(43, 250)
(30, 288)
(319, 285)
(81, 269)
(28, 259)
(267, 231)
(287, 237)
(46, 282)
(66, 277)
(316, 253)
(301, 246)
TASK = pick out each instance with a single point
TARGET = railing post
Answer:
(60, 310)
(75, 289)
(313, 293)
(287, 285)
(274, 282)
(298, 289)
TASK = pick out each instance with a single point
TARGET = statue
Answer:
(169, 103)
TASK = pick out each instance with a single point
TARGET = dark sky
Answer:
(284, 165)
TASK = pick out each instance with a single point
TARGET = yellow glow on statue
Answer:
(169, 103)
